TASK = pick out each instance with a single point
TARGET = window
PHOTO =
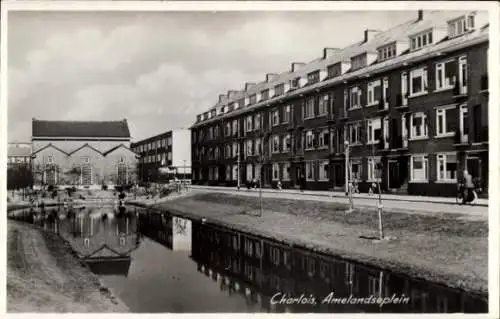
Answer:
(418, 81)
(421, 40)
(323, 170)
(275, 117)
(355, 170)
(286, 143)
(257, 121)
(249, 147)
(323, 138)
(418, 169)
(227, 129)
(235, 127)
(276, 144)
(258, 146)
(295, 83)
(286, 171)
(228, 172)
(250, 172)
(446, 121)
(418, 124)
(374, 92)
(313, 77)
(286, 114)
(169, 156)
(85, 160)
(334, 70)
(461, 25)
(445, 75)
(310, 140)
(373, 130)
(228, 151)
(354, 133)
(353, 98)
(235, 149)
(462, 74)
(279, 89)
(447, 167)
(323, 104)
(216, 152)
(358, 62)
(264, 94)
(276, 171)
(387, 52)
(50, 159)
(249, 122)
(309, 108)
(235, 172)
(310, 170)
(374, 165)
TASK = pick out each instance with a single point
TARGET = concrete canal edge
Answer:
(117, 305)
(429, 274)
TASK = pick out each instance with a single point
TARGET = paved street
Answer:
(396, 202)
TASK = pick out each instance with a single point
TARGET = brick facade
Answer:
(424, 131)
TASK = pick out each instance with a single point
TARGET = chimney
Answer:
(271, 76)
(420, 15)
(249, 85)
(328, 52)
(297, 65)
(370, 33)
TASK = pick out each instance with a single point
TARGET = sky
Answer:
(159, 70)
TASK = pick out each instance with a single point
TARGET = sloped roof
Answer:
(81, 129)
(86, 145)
(14, 150)
(117, 147)
(399, 33)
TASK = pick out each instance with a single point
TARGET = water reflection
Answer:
(206, 268)
(102, 237)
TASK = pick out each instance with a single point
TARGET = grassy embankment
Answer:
(440, 247)
(43, 275)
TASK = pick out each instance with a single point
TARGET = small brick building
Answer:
(88, 154)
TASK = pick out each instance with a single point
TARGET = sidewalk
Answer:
(390, 202)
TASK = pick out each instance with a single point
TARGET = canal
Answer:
(156, 262)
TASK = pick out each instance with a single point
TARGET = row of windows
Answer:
(153, 145)
(448, 74)
(319, 170)
(417, 41)
(415, 126)
(161, 158)
(18, 159)
(84, 159)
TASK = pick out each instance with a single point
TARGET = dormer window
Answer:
(461, 25)
(421, 40)
(252, 99)
(295, 83)
(213, 113)
(313, 77)
(241, 102)
(265, 94)
(198, 118)
(387, 52)
(279, 89)
(358, 62)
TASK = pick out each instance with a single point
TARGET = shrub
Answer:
(82, 197)
(104, 187)
(70, 190)
(50, 188)
(166, 191)
(44, 194)
(54, 194)
(121, 195)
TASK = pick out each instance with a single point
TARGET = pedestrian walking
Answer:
(302, 182)
(279, 184)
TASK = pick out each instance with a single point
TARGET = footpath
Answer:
(400, 203)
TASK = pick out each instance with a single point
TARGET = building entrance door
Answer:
(338, 175)
(473, 166)
(121, 174)
(393, 172)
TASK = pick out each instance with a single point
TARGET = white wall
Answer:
(181, 150)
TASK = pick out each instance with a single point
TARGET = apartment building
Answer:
(410, 104)
(164, 156)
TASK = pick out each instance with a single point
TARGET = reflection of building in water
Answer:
(103, 243)
(172, 232)
(252, 266)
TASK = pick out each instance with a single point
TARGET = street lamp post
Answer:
(348, 188)
(238, 162)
